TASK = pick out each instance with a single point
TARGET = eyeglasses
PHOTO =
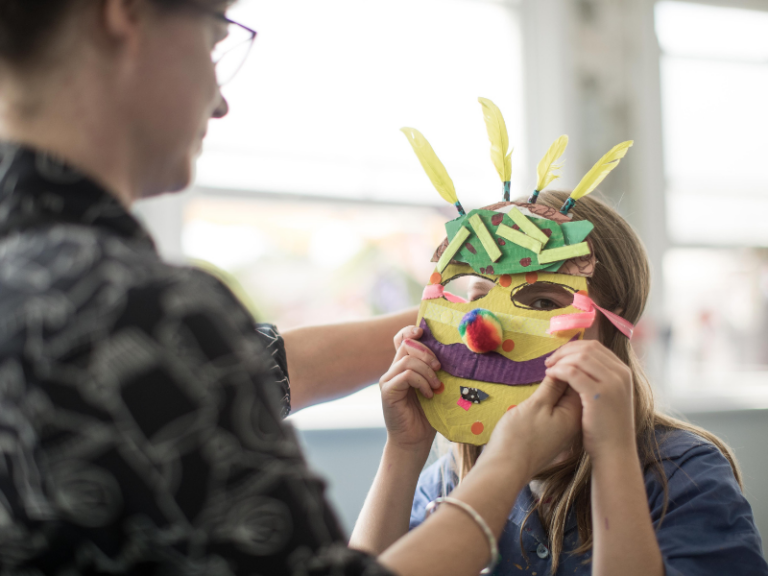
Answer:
(230, 54)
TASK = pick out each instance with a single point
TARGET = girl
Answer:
(637, 493)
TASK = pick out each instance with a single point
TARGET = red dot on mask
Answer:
(436, 278)
(477, 428)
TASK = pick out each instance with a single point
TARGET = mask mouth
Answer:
(459, 361)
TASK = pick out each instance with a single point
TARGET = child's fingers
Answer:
(550, 392)
(407, 332)
(420, 351)
(570, 400)
(398, 386)
(414, 365)
(591, 366)
(575, 377)
(591, 356)
(580, 346)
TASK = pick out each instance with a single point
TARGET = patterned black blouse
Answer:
(140, 411)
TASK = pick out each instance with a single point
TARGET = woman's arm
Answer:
(624, 538)
(450, 542)
(325, 362)
(524, 441)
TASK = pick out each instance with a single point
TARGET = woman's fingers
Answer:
(571, 402)
(550, 391)
(407, 332)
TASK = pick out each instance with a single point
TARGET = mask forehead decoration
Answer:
(531, 263)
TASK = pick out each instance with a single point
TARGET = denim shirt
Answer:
(708, 528)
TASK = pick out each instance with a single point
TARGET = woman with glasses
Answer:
(139, 404)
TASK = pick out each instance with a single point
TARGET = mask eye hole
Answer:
(543, 296)
(469, 287)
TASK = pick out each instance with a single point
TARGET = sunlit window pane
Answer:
(714, 92)
(700, 31)
(714, 70)
(318, 106)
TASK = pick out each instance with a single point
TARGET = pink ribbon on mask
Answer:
(576, 321)
(434, 291)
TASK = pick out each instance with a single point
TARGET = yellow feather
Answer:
(497, 134)
(600, 170)
(547, 170)
(432, 165)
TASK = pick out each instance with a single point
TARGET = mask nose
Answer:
(481, 331)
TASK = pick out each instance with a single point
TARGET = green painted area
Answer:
(575, 232)
(514, 258)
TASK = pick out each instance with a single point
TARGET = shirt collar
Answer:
(524, 503)
(38, 189)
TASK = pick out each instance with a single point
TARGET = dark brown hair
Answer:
(621, 282)
(25, 24)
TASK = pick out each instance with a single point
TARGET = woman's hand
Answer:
(539, 429)
(604, 384)
(413, 369)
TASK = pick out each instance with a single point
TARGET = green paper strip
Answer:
(485, 238)
(453, 247)
(527, 226)
(564, 253)
(519, 238)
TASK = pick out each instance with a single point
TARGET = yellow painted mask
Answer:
(478, 388)
(492, 350)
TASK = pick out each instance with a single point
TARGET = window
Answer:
(308, 194)
(318, 106)
(714, 91)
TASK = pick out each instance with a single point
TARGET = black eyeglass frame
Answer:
(223, 17)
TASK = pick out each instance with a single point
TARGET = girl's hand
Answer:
(604, 384)
(539, 429)
(413, 369)
(412, 332)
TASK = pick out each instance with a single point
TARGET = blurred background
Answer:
(311, 198)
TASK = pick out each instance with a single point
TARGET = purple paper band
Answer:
(492, 367)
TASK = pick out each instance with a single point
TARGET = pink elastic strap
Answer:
(434, 291)
(453, 298)
(574, 321)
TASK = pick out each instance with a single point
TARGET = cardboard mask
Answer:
(492, 350)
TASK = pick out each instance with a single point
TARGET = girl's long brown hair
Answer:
(621, 282)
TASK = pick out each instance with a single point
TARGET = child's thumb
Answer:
(549, 392)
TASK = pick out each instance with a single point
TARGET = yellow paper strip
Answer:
(509, 323)
(527, 226)
(452, 248)
(485, 238)
(519, 238)
(564, 253)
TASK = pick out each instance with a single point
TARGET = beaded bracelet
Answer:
(432, 506)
